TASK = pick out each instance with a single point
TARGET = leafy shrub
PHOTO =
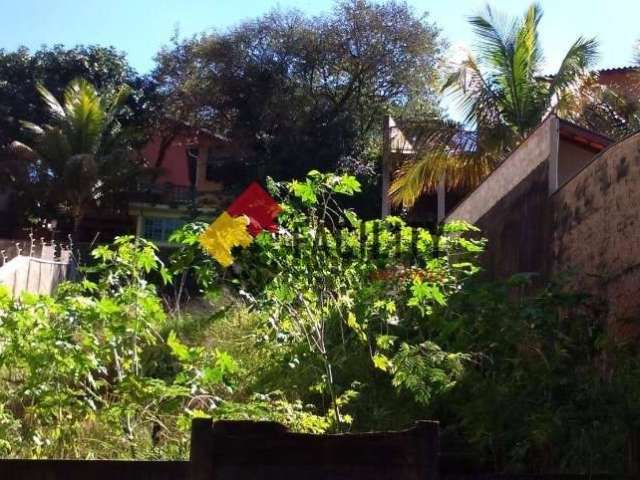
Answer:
(93, 372)
(343, 301)
(548, 388)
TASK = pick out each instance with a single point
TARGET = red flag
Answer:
(258, 205)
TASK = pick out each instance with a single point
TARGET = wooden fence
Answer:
(265, 450)
(39, 270)
(92, 470)
(268, 451)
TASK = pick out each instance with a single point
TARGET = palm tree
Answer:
(504, 97)
(81, 155)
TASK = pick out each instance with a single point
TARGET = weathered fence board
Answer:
(35, 275)
(265, 451)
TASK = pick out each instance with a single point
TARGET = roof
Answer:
(584, 137)
(602, 71)
(625, 69)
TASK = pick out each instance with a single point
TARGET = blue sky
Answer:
(141, 27)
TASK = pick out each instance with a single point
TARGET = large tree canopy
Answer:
(303, 92)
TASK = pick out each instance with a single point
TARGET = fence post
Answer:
(428, 449)
(632, 454)
(201, 451)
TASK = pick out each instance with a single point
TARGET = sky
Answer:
(141, 27)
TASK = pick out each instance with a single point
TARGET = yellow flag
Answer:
(223, 234)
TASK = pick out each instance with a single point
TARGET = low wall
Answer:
(247, 450)
(244, 450)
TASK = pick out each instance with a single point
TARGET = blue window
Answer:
(159, 229)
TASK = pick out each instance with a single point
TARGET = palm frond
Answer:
(22, 151)
(32, 127)
(477, 99)
(576, 64)
(496, 37)
(441, 149)
(54, 147)
(54, 107)
(524, 93)
(116, 103)
(85, 116)
(503, 99)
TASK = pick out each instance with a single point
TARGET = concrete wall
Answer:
(572, 215)
(596, 228)
(518, 228)
(525, 202)
(537, 149)
(511, 207)
(571, 159)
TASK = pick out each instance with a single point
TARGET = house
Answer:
(193, 174)
(401, 141)
(197, 173)
(400, 136)
(565, 204)
(624, 81)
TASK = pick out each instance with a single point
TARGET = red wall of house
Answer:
(174, 168)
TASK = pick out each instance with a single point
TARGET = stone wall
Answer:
(596, 228)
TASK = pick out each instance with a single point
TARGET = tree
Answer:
(55, 67)
(504, 96)
(20, 72)
(303, 92)
(81, 156)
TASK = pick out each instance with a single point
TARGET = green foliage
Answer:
(319, 86)
(80, 157)
(189, 258)
(331, 324)
(21, 70)
(94, 371)
(344, 300)
(548, 388)
(127, 261)
(55, 67)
